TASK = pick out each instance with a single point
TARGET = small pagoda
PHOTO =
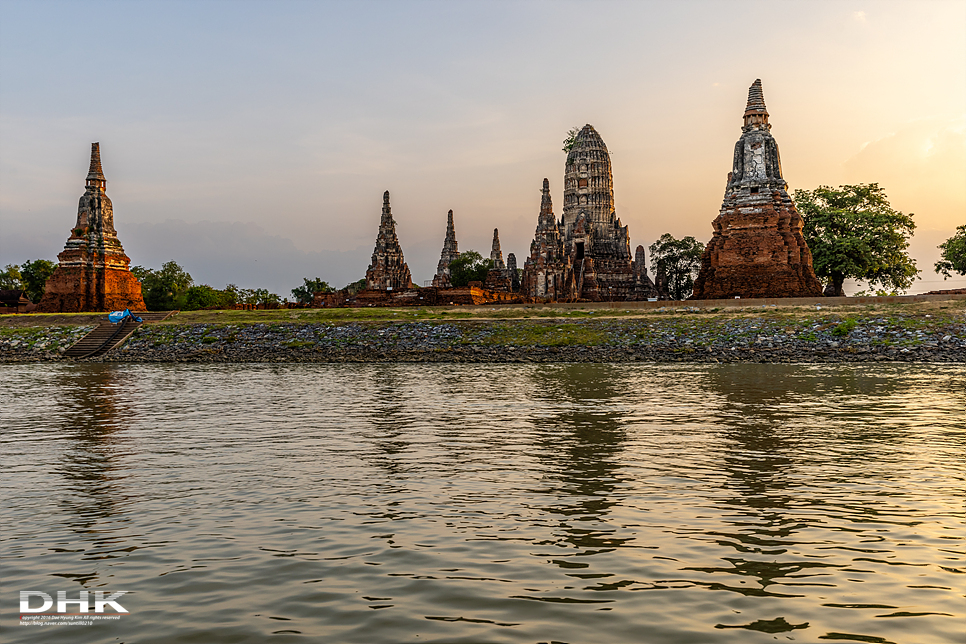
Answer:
(93, 273)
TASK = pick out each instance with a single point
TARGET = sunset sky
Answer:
(252, 141)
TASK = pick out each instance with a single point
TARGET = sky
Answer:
(251, 142)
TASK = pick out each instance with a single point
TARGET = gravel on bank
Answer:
(685, 336)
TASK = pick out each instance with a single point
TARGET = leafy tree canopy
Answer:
(469, 267)
(257, 296)
(675, 264)
(853, 232)
(199, 297)
(35, 273)
(953, 254)
(11, 279)
(306, 293)
(163, 288)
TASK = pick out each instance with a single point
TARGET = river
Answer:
(588, 503)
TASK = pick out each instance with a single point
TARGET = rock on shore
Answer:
(688, 338)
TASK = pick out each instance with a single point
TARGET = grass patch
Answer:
(844, 327)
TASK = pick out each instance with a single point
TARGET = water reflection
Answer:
(760, 455)
(591, 503)
(385, 408)
(92, 425)
(581, 442)
(92, 493)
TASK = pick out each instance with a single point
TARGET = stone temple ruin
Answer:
(449, 254)
(388, 270)
(500, 277)
(757, 249)
(587, 254)
(93, 272)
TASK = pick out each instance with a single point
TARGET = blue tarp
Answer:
(117, 316)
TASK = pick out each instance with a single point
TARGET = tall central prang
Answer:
(587, 254)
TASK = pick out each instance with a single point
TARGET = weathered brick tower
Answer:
(757, 249)
(498, 277)
(388, 270)
(448, 255)
(93, 272)
(587, 254)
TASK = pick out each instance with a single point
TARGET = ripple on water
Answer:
(498, 503)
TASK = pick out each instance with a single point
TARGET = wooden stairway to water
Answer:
(107, 335)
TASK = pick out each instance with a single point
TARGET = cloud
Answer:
(858, 16)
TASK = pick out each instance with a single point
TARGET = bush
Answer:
(306, 293)
(844, 327)
(198, 297)
(469, 267)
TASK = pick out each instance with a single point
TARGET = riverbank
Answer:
(931, 331)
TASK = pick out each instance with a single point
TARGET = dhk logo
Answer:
(82, 602)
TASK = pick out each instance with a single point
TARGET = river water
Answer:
(487, 503)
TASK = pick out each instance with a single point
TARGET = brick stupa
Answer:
(388, 270)
(449, 254)
(757, 249)
(93, 272)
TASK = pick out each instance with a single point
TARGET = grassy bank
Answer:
(943, 309)
(912, 331)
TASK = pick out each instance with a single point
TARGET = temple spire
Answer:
(95, 176)
(546, 203)
(755, 111)
(449, 254)
(496, 254)
(387, 211)
(388, 269)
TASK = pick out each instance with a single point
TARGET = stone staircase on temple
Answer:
(107, 335)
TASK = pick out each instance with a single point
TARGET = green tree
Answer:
(675, 264)
(953, 254)
(140, 272)
(11, 279)
(568, 143)
(469, 267)
(163, 289)
(853, 232)
(306, 293)
(198, 297)
(228, 297)
(35, 273)
(257, 296)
